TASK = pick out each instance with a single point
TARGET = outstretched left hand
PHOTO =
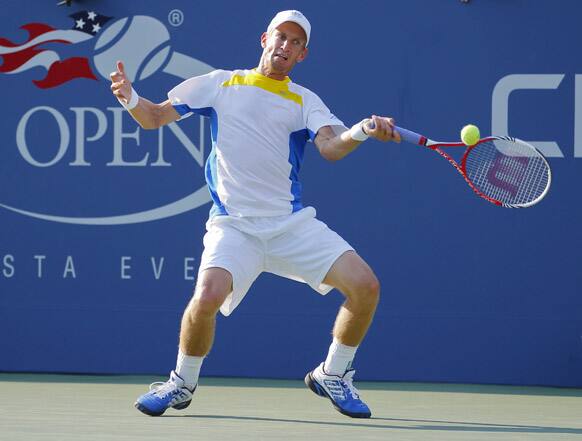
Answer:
(382, 128)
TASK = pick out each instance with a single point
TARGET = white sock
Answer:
(188, 368)
(339, 358)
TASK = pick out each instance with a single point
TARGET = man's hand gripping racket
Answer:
(505, 171)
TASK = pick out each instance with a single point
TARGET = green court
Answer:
(74, 407)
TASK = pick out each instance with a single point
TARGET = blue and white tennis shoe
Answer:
(340, 390)
(173, 393)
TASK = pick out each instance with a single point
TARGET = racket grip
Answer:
(410, 136)
(405, 134)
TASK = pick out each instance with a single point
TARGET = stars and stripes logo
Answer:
(89, 22)
(20, 57)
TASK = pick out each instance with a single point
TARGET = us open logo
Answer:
(75, 155)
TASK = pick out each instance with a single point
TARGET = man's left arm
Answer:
(334, 147)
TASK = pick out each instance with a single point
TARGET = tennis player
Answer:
(260, 124)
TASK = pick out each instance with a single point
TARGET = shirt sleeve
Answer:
(197, 94)
(316, 115)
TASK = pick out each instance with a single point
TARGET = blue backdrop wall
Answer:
(101, 222)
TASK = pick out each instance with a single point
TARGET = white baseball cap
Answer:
(295, 17)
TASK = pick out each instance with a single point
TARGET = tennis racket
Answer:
(505, 171)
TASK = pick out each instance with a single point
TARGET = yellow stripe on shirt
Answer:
(255, 79)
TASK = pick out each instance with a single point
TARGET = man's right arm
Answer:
(147, 114)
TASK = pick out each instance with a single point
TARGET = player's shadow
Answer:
(418, 424)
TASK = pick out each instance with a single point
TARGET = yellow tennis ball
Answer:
(470, 134)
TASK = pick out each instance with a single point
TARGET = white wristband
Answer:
(357, 131)
(132, 101)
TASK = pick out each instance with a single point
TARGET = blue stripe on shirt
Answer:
(210, 168)
(297, 141)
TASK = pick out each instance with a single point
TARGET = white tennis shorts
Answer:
(295, 246)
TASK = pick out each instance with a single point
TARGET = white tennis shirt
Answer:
(259, 128)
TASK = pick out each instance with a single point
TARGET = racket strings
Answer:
(510, 172)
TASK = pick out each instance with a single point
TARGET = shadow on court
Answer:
(455, 426)
(99, 408)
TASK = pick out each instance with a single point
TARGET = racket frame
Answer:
(461, 168)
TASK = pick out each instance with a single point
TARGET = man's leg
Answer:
(333, 378)
(357, 282)
(196, 337)
(199, 319)
(199, 322)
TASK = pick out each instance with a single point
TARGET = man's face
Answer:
(284, 46)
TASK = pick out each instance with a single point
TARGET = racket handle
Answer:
(410, 136)
(405, 134)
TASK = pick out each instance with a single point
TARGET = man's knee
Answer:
(211, 291)
(206, 303)
(365, 291)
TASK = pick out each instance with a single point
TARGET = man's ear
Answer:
(302, 55)
(264, 40)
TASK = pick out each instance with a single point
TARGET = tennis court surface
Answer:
(75, 407)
